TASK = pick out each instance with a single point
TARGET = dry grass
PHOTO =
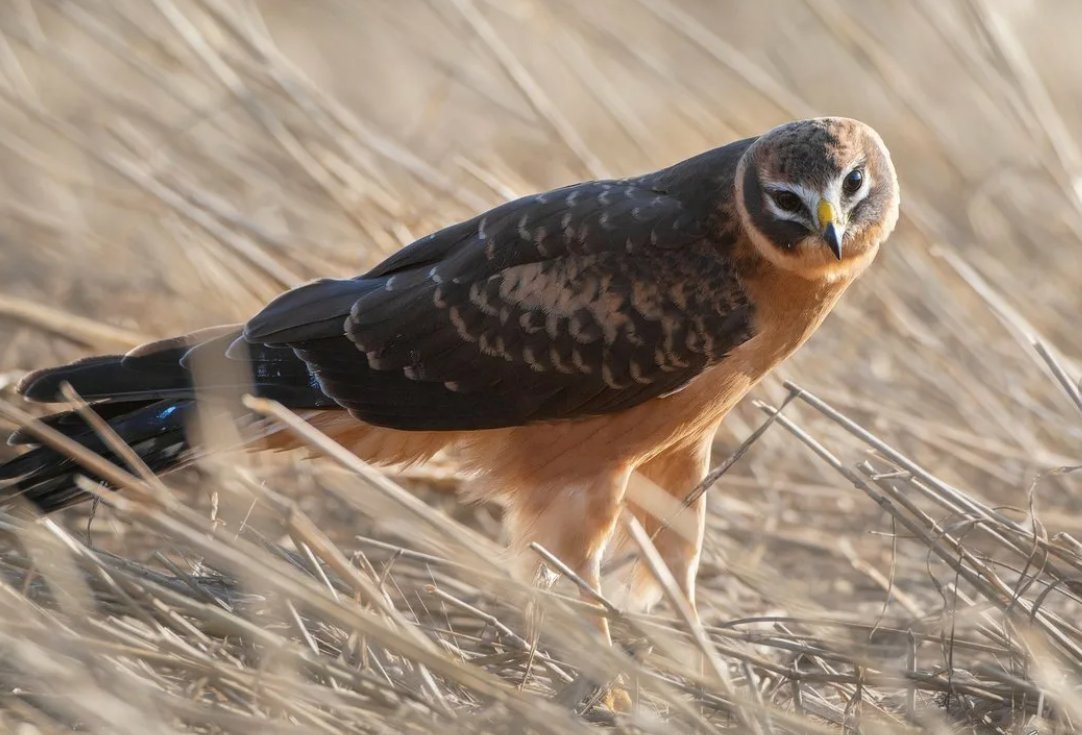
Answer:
(898, 551)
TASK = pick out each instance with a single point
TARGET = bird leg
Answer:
(657, 497)
(573, 520)
(675, 528)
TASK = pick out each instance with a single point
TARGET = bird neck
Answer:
(789, 307)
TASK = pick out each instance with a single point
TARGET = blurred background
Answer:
(171, 164)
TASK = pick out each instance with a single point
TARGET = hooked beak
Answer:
(832, 230)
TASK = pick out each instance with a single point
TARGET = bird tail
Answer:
(46, 477)
(148, 399)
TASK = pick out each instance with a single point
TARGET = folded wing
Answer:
(582, 301)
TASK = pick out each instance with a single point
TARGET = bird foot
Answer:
(616, 698)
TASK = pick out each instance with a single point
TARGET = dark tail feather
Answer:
(70, 423)
(108, 377)
(46, 478)
(147, 397)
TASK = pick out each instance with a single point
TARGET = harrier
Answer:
(560, 342)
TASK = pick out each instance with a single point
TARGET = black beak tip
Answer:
(833, 240)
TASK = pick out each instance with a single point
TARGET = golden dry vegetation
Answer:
(897, 552)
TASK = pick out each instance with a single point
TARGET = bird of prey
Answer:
(560, 342)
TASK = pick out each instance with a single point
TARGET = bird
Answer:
(561, 344)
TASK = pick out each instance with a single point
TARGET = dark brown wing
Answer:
(582, 301)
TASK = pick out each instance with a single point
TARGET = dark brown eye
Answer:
(853, 182)
(787, 201)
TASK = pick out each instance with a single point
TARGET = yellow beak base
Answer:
(830, 228)
(826, 214)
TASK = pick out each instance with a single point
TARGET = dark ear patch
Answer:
(870, 208)
(866, 208)
(782, 233)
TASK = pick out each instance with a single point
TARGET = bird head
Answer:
(818, 196)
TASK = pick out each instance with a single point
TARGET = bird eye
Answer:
(787, 201)
(853, 182)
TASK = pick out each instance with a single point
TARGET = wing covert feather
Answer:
(580, 301)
